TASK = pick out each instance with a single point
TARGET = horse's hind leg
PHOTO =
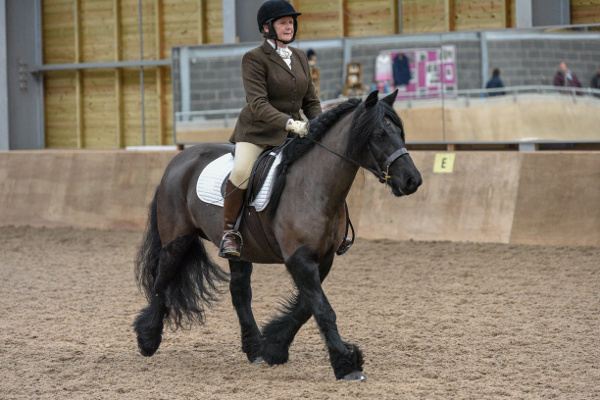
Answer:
(149, 323)
(346, 359)
(279, 333)
(241, 297)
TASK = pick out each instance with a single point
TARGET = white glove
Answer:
(298, 127)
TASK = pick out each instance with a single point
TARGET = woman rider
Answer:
(278, 84)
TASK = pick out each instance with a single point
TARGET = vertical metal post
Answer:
(524, 13)
(4, 142)
(346, 58)
(485, 62)
(142, 74)
(229, 35)
(185, 79)
(39, 60)
(442, 88)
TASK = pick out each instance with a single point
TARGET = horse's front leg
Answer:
(241, 297)
(279, 333)
(346, 358)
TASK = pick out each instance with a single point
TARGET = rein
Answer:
(383, 176)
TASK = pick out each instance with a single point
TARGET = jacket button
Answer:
(293, 101)
(293, 79)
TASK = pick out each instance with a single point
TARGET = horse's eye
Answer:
(379, 133)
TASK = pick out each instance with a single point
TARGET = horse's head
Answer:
(379, 129)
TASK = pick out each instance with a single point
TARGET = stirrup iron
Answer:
(231, 255)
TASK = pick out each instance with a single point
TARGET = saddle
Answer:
(259, 173)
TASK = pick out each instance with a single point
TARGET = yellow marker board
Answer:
(444, 163)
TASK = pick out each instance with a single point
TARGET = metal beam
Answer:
(4, 142)
(101, 65)
(524, 13)
(485, 62)
(158, 21)
(229, 34)
(78, 76)
(40, 96)
(118, 75)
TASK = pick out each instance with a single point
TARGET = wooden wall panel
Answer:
(99, 113)
(130, 30)
(479, 14)
(168, 107)
(59, 107)
(585, 11)
(132, 108)
(214, 21)
(320, 19)
(180, 24)
(96, 30)
(102, 108)
(371, 17)
(423, 16)
(58, 31)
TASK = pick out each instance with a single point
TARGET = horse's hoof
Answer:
(258, 360)
(355, 376)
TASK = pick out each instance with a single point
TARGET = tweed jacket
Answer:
(274, 94)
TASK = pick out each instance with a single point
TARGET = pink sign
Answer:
(417, 73)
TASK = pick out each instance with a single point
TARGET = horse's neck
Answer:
(327, 175)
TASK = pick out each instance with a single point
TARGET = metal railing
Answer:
(226, 118)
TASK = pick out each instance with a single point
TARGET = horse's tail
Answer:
(148, 256)
(194, 285)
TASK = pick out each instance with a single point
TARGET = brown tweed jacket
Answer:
(274, 94)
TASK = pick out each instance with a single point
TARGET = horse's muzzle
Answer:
(406, 186)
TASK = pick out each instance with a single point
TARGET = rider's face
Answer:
(284, 28)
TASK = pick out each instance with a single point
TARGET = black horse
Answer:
(305, 223)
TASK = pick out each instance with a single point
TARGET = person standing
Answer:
(565, 78)
(278, 84)
(495, 82)
(595, 82)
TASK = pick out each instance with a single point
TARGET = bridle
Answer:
(382, 174)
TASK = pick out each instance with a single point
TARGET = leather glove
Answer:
(298, 127)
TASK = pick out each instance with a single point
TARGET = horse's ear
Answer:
(391, 98)
(372, 99)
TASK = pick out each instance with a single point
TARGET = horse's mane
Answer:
(299, 147)
(363, 125)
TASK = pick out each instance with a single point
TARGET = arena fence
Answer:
(545, 197)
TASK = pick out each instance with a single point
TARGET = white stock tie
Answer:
(286, 54)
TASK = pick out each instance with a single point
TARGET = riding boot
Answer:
(231, 245)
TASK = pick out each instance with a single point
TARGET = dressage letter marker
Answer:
(444, 163)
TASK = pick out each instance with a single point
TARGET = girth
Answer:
(259, 173)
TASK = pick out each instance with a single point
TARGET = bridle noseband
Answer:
(382, 175)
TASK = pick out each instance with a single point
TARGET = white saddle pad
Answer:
(211, 179)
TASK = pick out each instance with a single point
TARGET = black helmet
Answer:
(271, 11)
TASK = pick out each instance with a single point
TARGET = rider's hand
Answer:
(298, 127)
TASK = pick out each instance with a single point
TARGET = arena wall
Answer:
(498, 196)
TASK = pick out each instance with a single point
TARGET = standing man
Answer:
(565, 78)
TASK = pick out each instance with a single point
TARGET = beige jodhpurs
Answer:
(245, 157)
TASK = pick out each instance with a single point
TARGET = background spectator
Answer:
(595, 82)
(312, 57)
(495, 82)
(564, 77)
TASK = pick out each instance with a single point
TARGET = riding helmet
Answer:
(271, 11)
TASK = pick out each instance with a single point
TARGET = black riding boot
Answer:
(231, 245)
